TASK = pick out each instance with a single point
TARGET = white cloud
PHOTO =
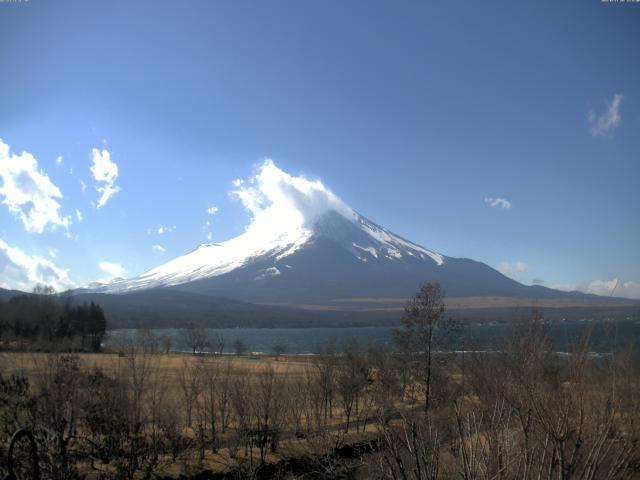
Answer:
(78, 215)
(618, 288)
(28, 192)
(608, 120)
(512, 268)
(501, 203)
(628, 289)
(212, 210)
(162, 229)
(158, 248)
(83, 186)
(107, 192)
(113, 269)
(277, 201)
(21, 271)
(105, 172)
(59, 160)
(206, 228)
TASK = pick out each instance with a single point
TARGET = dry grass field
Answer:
(170, 376)
(166, 364)
(520, 412)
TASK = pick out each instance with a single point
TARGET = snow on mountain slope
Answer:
(287, 213)
(394, 245)
(214, 259)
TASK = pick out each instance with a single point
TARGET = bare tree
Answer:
(165, 343)
(316, 401)
(410, 450)
(352, 377)
(217, 343)
(189, 380)
(424, 314)
(211, 376)
(223, 392)
(147, 340)
(196, 338)
(325, 363)
(58, 410)
(240, 394)
(240, 347)
(279, 349)
(267, 401)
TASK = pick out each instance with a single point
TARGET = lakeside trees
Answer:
(44, 318)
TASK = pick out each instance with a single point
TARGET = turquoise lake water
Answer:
(565, 335)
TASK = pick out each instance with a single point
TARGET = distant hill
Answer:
(159, 308)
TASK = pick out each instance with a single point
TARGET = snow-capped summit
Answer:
(362, 238)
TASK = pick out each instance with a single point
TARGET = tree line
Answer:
(43, 319)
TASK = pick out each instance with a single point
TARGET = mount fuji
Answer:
(305, 248)
(334, 259)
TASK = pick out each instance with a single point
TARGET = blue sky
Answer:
(427, 117)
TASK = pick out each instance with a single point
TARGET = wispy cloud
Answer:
(512, 268)
(206, 228)
(158, 248)
(28, 192)
(212, 209)
(21, 271)
(59, 160)
(500, 203)
(115, 270)
(105, 172)
(163, 230)
(615, 287)
(607, 120)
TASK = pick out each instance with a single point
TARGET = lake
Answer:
(472, 337)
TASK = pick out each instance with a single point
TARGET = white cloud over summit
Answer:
(105, 172)
(28, 192)
(276, 199)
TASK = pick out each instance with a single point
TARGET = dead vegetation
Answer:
(521, 412)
